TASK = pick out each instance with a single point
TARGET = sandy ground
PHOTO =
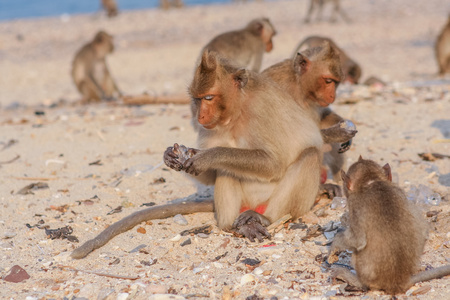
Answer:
(98, 157)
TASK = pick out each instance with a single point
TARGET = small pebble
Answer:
(122, 296)
(176, 238)
(166, 297)
(156, 289)
(203, 235)
(271, 250)
(247, 278)
(180, 220)
(9, 235)
(16, 274)
(258, 271)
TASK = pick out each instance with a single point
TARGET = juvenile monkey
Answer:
(313, 4)
(386, 232)
(351, 69)
(442, 49)
(167, 4)
(245, 47)
(90, 72)
(312, 78)
(110, 6)
(247, 149)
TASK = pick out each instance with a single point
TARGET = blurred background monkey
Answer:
(90, 72)
(318, 4)
(442, 49)
(167, 4)
(110, 6)
(245, 47)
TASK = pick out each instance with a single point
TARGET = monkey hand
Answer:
(345, 146)
(197, 163)
(341, 132)
(252, 225)
(332, 190)
(176, 156)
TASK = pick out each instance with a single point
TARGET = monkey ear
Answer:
(346, 180)
(387, 172)
(301, 63)
(329, 50)
(209, 61)
(241, 78)
(360, 158)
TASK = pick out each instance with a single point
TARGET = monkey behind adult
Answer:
(245, 47)
(90, 72)
(312, 78)
(110, 6)
(351, 69)
(385, 232)
(442, 49)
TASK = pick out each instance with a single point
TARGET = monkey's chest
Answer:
(98, 71)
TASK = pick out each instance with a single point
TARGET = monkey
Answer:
(442, 49)
(90, 72)
(374, 81)
(261, 168)
(385, 232)
(245, 47)
(313, 4)
(110, 6)
(167, 4)
(351, 69)
(247, 148)
(312, 78)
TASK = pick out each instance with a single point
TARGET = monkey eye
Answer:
(208, 97)
(329, 80)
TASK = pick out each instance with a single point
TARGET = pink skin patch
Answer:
(260, 209)
(323, 175)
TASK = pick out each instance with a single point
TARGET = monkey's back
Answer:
(239, 46)
(395, 235)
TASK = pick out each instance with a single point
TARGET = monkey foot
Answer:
(332, 190)
(251, 225)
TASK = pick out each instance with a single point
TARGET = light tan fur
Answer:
(318, 4)
(110, 6)
(90, 72)
(442, 49)
(252, 145)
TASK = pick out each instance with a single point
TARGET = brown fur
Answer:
(167, 4)
(248, 148)
(319, 5)
(351, 69)
(442, 49)
(110, 6)
(302, 77)
(245, 47)
(90, 72)
(386, 232)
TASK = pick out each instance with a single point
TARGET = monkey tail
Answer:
(431, 274)
(151, 213)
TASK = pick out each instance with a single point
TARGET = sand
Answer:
(98, 157)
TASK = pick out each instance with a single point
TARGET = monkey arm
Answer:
(431, 274)
(349, 239)
(151, 213)
(100, 91)
(248, 163)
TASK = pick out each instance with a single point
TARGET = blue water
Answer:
(18, 9)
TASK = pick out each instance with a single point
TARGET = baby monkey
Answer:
(386, 232)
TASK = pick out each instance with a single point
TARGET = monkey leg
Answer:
(335, 161)
(296, 192)
(347, 276)
(89, 92)
(228, 199)
(252, 225)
